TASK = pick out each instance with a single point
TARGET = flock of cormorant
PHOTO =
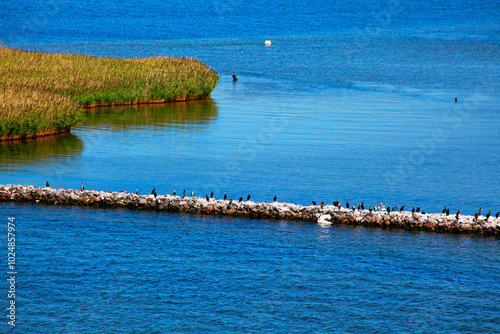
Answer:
(361, 206)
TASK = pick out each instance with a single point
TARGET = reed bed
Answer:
(42, 92)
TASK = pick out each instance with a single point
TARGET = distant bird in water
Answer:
(274, 199)
(206, 197)
(137, 191)
(347, 205)
(488, 215)
(225, 195)
(458, 214)
(456, 99)
(184, 193)
(82, 187)
(402, 208)
(444, 210)
(447, 212)
(175, 192)
(235, 78)
(313, 202)
(248, 197)
(192, 193)
(241, 199)
(47, 184)
(153, 192)
(267, 43)
(212, 194)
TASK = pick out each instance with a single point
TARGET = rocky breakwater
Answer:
(276, 210)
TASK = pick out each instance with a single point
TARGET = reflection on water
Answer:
(39, 150)
(187, 115)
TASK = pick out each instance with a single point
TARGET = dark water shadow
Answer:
(39, 150)
(189, 115)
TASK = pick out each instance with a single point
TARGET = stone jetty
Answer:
(275, 210)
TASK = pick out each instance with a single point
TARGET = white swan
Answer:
(323, 220)
(267, 43)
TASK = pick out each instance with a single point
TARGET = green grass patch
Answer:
(43, 92)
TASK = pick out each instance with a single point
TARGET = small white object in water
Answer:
(267, 43)
(323, 220)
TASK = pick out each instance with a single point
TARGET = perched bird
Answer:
(230, 201)
(370, 209)
(362, 206)
(235, 78)
(82, 187)
(444, 210)
(212, 194)
(480, 210)
(394, 208)
(447, 212)
(47, 184)
(413, 210)
(206, 197)
(137, 191)
(475, 217)
(225, 195)
(347, 205)
(153, 192)
(382, 206)
(274, 199)
(241, 199)
(354, 208)
(314, 203)
(248, 197)
(488, 215)
(175, 192)
(192, 193)
(184, 193)
(322, 204)
(418, 209)
(375, 209)
(496, 216)
(401, 208)
(388, 210)
(458, 214)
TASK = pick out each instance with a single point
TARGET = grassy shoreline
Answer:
(42, 93)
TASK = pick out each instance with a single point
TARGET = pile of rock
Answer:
(405, 220)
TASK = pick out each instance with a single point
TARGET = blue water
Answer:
(353, 101)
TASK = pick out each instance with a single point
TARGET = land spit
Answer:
(275, 210)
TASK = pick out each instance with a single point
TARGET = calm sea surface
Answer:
(354, 101)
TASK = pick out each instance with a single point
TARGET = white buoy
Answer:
(267, 43)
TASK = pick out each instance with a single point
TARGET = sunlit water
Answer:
(352, 102)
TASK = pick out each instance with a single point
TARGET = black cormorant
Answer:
(47, 184)
(192, 193)
(235, 78)
(248, 197)
(175, 192)
(274, 199)
(458, 214)
(418, 209)
(212, 194)
(322, 204)
(313, 202)
(184, 193)
(480, 210)
(241, 199)
(225, 195)
(447, 212)
(488, 215)
(401, 208)
(137, 191)
(153, 192)
(82, 187)
(347, 205)
(444, 210)
(208, 199)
